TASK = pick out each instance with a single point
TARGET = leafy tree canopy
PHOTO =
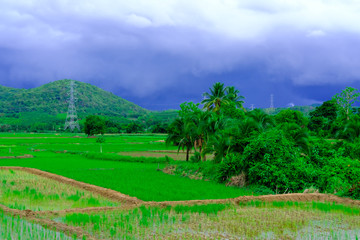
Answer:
(220, 95)
(346, 99)
(94, 125)
(327, 110)
(291, 116)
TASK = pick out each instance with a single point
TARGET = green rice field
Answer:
(16, 228)
(253, 220)
(128, 165)
(22, 190)
(138, 179)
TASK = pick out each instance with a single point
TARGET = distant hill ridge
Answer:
(51, 98)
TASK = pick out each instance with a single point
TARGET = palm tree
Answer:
(233, 96)
(220, 144)
(201, 128)
(221, 141)
(213, 124)
(263, 120)
(180, 134)
(299, 135)
(216, 97)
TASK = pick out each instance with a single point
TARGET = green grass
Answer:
(326, 207)
(279, 220)
(139, 177)
(120, 158)
(141, 180)
(63, 141)
(135, 176)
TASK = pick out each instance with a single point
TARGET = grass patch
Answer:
(120, 158)
(326, 207)
(141, 180)
(16, 228)
(22, 190)
(282, 220)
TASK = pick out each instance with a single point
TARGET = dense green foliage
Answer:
(285, 152)
(94, 125)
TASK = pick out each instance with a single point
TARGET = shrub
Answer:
(196, 157)
(339, 175)
(231, 165)
(261, 190)
(351, 149)
(273, 161)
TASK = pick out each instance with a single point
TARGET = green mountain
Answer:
(45, 108)
(52, 98)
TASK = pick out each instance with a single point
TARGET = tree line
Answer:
(286, 151)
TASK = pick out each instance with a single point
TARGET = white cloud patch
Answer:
(138, 21)
(316, 33)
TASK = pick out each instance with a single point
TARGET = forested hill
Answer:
(51, 99)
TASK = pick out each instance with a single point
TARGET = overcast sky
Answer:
(159, 53)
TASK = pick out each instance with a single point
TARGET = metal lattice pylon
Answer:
(71, 118)
(272, 101)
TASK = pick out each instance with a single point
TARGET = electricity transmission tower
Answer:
(252, 107)
(272, 103)
(71, 118)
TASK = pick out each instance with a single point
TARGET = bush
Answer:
(207, 169)
(231, 165)
(353, 191)
(340, 175)
(261, 190)
(112, 130)
(196, 157)
(273, 161)
(351, 149)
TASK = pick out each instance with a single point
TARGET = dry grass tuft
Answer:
(237, 181)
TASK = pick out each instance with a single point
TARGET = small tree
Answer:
(100, 140)
(346, 99)
(94, 125)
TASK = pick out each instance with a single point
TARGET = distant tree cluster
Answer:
(282, 152)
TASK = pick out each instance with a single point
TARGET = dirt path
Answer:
(296, 197)
(108, 193)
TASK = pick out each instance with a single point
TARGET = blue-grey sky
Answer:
(160, 53)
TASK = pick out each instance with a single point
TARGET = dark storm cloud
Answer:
(159, 54)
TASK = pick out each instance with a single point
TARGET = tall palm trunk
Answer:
(187, 153)
(203, 156)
